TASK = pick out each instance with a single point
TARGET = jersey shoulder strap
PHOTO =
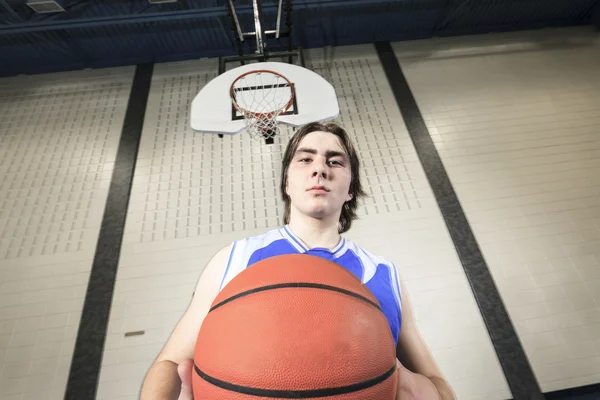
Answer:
(242, 251)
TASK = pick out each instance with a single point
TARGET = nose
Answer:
(320, 169)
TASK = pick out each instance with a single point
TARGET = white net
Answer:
(262, 96)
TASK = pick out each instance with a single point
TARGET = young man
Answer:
(320, 185)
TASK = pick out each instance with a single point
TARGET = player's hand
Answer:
(413, 386)
(185, 374)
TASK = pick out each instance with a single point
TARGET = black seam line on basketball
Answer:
(295, 285)
(295, 394)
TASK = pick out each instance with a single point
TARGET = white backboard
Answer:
(315, 100)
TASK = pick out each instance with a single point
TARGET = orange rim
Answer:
(254, 114)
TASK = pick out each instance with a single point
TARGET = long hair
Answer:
(349, 208)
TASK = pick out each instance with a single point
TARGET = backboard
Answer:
(315, 99)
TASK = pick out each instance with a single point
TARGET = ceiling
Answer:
(94, 33)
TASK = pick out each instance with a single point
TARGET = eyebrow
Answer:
(328, 153)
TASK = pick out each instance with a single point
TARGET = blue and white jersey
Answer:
(379, 275)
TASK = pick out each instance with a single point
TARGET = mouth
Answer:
(318, 189)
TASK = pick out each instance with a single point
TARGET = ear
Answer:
(349, 197)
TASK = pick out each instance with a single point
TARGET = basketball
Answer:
(295, 326)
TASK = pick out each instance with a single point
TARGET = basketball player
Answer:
(321, 187)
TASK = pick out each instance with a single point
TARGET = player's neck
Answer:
(315, 233)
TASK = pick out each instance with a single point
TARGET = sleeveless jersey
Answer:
(379, 275)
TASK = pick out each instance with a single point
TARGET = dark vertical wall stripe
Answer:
(89, 346)
(518, 372)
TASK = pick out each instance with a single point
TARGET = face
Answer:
(319, 176)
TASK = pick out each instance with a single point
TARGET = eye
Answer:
(336, 162)
(305, 159)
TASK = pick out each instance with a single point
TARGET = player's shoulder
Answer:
(366, 255)
(259, 240)
(243, 248)
(372, 264)
(243, 245)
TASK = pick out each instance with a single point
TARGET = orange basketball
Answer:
(295, 326)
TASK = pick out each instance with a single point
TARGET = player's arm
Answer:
(162, 381)
(419, 373)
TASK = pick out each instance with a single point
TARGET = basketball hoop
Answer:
(237, 99)
(261, 96)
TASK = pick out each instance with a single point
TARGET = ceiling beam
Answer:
(168, 16)
(10, 10)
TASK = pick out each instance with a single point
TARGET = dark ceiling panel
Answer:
(122, 32)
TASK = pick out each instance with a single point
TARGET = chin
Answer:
(315, 212)
(317, 209)
(320, 213)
